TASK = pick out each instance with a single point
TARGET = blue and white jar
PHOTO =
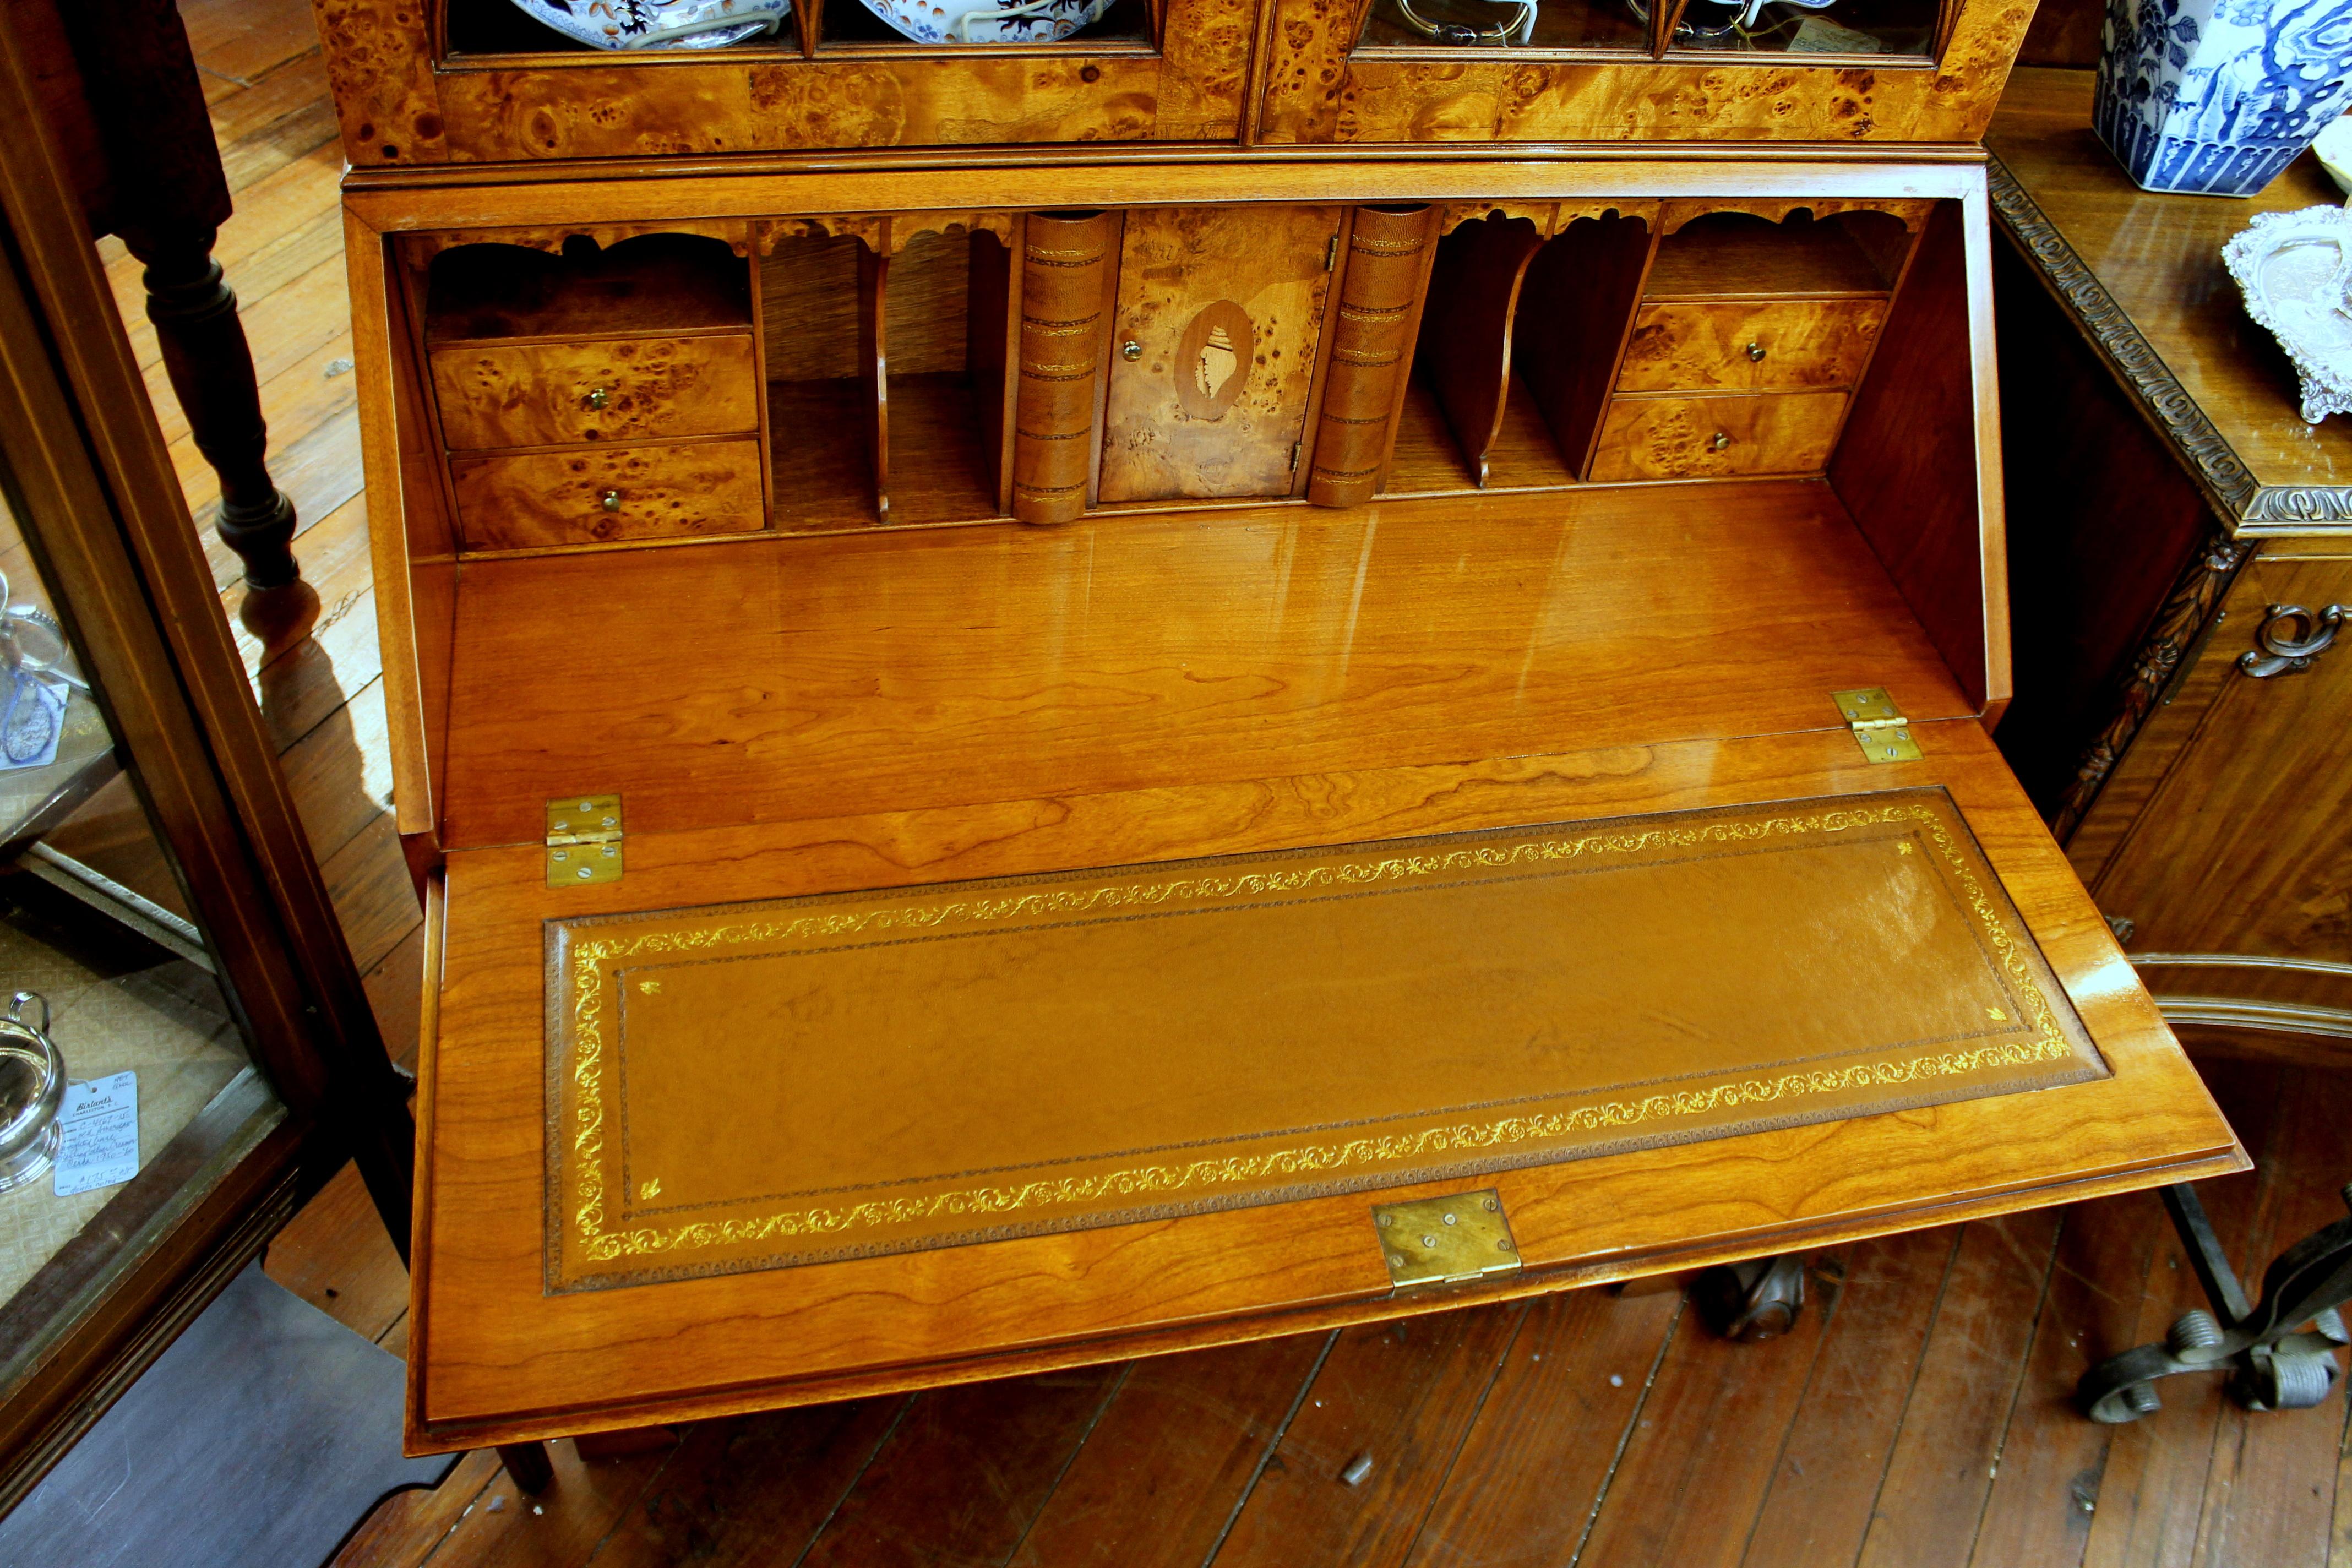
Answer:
(2215, 97)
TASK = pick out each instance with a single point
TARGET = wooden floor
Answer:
(1919, 1417)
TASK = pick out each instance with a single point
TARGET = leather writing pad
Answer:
(758, 1086)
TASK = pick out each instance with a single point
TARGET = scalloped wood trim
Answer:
(1913, 213)
(883, 234)
(735, 232)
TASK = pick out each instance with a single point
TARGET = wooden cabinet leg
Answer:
(211, 368)
(529, 1465)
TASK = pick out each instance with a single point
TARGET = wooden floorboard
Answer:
(1695, 1475)
(1825, 1488)
(1191, 1432)
(1400, 1398)
(964, 1474)
(1920, 1414)
(1945, 1459)
(2151, 1490)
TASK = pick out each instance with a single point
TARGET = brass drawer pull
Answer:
(597, 398)
(612, 500)
(2277, 653)
(1721, 441)
(1756, 353)
(1131, 350)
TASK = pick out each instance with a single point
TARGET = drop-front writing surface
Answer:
(1136, 738)
(498, 1354)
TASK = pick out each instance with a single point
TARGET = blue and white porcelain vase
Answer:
(2215, 97)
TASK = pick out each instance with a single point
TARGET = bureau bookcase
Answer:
(1044, 717)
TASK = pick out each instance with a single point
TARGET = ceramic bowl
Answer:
(987, 22)
(659, 23)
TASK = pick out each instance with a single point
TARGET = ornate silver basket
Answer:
(2295, 272)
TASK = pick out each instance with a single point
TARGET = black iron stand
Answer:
(2272, 1364)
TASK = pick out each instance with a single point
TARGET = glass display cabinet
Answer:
(457, 81)
(185, 1051)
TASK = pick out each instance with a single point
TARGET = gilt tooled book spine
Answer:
(1371, 353)
(1065, 267)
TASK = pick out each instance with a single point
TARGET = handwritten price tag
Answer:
(100, 1122)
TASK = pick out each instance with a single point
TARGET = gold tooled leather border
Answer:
(577, 964)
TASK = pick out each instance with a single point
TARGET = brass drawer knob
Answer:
(598, 398)
(1131, 350)
(612, 500)
(1720, 441)
(1756, 353)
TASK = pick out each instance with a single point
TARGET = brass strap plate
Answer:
(583, 840)
(1879, 727)
(1445, 1241)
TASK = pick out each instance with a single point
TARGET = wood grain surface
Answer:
(497, 1357)
(599, 494)
(1704, 438)
(1576, 313)
(1215, 406)
(539, 394)
(1465, 328)
(654, 284)
(1320, 89)
(400, 106)
(2241, 849)
(1736, 255)
(1257, 643)
(1708, 347)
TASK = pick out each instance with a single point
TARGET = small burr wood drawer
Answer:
(591, 495)
(1750, 345)
(548, 395)
(1707, 438)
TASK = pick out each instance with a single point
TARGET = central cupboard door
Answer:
(1214, 350)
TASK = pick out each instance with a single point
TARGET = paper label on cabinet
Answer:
(100, 1123)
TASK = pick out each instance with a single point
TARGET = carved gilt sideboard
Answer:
(1061, 702)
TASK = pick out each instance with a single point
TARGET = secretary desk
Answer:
(1252, 671)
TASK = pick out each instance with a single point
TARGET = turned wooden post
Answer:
(142, 145)
(211, 368)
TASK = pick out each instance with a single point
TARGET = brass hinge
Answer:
(1445, 1241)
(1879, 727)
(1331, 254)
(584, 840)
(1296, 448)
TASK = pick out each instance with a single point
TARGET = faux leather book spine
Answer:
(1066, 264)
(1371, 354)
